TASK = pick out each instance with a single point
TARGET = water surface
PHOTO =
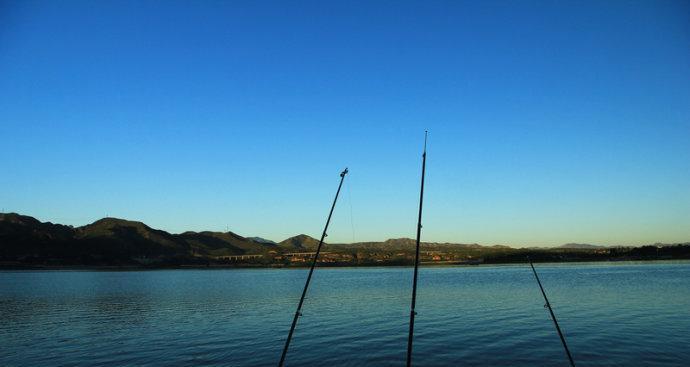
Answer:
(613, 314)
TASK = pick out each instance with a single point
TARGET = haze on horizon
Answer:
(549, 122)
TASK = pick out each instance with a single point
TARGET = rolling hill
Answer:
(300, 242)
(112, 241)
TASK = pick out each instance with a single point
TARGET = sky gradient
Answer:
(549, 122)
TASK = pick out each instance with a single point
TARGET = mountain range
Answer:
(120, 240)
(114, 240)
(580, 246)
(25, 239)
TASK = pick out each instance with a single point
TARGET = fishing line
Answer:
(352, 222)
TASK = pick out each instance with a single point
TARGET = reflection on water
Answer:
(632, 314)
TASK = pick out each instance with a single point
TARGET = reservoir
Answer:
(612, 314)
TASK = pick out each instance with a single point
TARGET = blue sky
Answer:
(549, 122)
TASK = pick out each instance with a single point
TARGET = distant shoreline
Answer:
(29, 267)
(112, 243)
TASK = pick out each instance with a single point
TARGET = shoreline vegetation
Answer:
(111, 243)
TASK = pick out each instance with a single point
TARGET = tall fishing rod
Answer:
(298, 313)
(553, 316)
(416, 261)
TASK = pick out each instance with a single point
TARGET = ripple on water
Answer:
(611, 314)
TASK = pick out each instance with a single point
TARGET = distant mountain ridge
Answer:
(261, 240)
(119, 241)
(221, 243)
(300, 242)
(580, 246)
(115, 240)
(407, 243)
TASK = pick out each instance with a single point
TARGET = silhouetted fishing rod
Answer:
(298, 313)
(416, 261)
(553, 316)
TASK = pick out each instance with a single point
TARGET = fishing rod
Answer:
(553, 316)
(416, 261)
(298, 313)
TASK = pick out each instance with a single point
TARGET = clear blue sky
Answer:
(550, 122)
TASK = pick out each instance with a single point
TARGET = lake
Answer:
(612, 314)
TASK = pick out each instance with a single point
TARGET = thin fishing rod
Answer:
(298, 313)
(416, 261)
(553, 316)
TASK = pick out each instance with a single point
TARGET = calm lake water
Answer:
(613, 314)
